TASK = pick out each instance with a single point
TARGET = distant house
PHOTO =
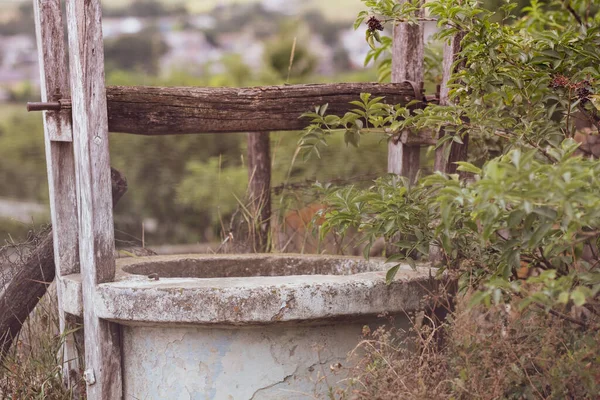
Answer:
(288, 7)
(202, 21)
(112, 27)
(246, 45)
(187, 49)
(355, 45)
(324, 54)
(18, 60)
(4, 95)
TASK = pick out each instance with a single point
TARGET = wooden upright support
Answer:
(458, 152)
(259, 189)
(93, 179)
(59, 159)
(407, 65)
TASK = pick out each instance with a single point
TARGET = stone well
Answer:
(245, 327)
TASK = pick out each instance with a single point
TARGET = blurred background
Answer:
(186, 189)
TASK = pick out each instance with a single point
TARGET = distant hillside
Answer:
(334, 10)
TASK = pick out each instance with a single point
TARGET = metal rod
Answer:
(62, 104)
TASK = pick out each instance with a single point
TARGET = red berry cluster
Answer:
(582, 88)
(559, 81)
(374, 24)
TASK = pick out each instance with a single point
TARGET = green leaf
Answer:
(478, 298)
(539, 234)
(578, 297)
(563, 298)
(389, 277)
(516, 157)
(323, 109)
(595, 99)
(351, 137)
(515, 218)
(468, 167)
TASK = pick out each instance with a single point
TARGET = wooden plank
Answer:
(458, 152)
(60, 163)
(175, 110)
(93, 177)
(53, 68)
(259, 189)
(407, 65)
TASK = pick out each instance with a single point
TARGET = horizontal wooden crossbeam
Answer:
(148, 110)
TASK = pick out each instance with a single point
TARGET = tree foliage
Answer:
(525, 225)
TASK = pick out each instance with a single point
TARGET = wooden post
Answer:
(259, 189)
(407, 65)
(93, 179)
(60, 161)
(458, 152)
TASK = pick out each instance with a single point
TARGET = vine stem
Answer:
(568, 133)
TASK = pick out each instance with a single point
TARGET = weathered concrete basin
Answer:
(245, 326)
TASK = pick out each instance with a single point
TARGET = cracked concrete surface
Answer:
(250, 363)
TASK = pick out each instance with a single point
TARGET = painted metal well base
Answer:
(246, 327)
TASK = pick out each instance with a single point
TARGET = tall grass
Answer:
(495, 353)
(32, 370)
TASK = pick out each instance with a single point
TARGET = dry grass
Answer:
(32, 370)
(486, 354)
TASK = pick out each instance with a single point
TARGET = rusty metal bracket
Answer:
(418, 89)
(62, 104)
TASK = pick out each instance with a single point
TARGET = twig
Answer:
(544, 259)
(286, 186)
(287, 81)
(568, 115)
(507, 135)
(567, 5)
(570, 319)
(419, 19)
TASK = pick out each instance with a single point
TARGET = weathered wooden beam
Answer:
(420, 138)
(259, 190)
(93, 179)
(407, 64)
(174, 110)
(60, 166)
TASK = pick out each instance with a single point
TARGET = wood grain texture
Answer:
(60, 166)
(458, 152)
(93, 176)
(259, 189)
(421, 138)
(407, 64)
(175, 110)
(53, 67)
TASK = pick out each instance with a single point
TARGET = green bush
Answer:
(518, 226)
(535, 206)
